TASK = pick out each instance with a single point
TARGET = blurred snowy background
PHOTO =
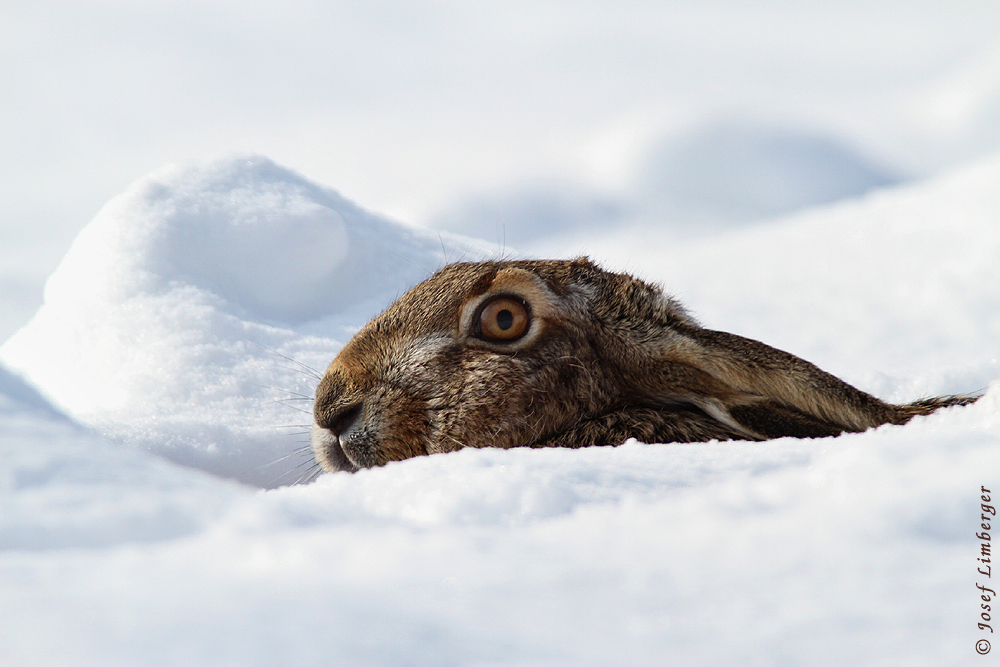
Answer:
(484, 117)
(822, 176)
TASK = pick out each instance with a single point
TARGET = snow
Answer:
(724, 174)
(146, 515)
(746, 171)
(200, 303)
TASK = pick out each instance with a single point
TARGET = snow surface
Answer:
(177, 333)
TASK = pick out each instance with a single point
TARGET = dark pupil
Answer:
(505, 319)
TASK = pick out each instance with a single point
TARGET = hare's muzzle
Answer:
(328, 451)
(331, 432)
(341, 422)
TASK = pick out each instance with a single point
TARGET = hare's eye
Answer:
(503, 319)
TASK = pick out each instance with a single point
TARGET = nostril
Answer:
(342, 420)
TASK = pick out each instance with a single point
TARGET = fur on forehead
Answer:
(554, 289)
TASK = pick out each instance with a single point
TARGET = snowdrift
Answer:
(175, 327)
(181, 320)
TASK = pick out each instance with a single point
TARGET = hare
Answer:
(565, 354)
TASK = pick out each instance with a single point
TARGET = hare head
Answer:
(563, 353)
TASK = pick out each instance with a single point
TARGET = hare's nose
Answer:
(342, 420)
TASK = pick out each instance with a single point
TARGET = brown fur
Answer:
(606, 357)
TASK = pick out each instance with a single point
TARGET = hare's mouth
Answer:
(329, 452)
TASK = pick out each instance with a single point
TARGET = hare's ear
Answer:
(762, 391)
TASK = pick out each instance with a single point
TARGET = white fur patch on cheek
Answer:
(409, 366)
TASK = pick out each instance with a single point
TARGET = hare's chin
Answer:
(329, 453)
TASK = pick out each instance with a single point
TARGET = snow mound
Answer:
(274, 246)
(180, 318)
(710, 178)
(735, 171)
